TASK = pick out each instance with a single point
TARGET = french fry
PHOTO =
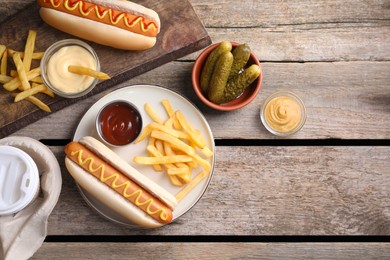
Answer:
(29, 49)
(21, 77)
(144, 133)
(3, 65)
(13, 73)
(39, 103)
(16, 83)
(168, 151)
(196, 138)
(2, 49)
(207, 152)
(162, 159)
(29, 92)
(168, 166)
(152, 113)
(182, 170)
(159, 146)
(153, 152)
(35, 55)
(169, 122)
(168, 108)
(204, 163)
(36, 101)
(4, 79)
(175, 142)
(21, 72)
(174, 179)
(37, 79)
(168, 130)
(80, 70)
(48, 92)
(192, 184)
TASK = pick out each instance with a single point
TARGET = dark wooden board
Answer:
(181, 33)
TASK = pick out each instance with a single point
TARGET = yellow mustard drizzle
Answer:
(68, 7)
(101, 16)
(79, 4)
(114, 185)
(53, 3)
(118, 18)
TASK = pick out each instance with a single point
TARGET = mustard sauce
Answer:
(283, 114)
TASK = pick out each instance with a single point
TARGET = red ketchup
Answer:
(119, 123)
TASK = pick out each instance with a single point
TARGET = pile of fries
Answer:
(176, 147)
(24, 82)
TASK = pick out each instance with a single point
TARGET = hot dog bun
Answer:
(111, 157)
(119, 24)
(117, 188)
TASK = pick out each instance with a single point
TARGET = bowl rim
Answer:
(196, 71)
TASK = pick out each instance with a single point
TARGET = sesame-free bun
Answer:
(97, 32)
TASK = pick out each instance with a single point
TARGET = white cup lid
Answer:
(19, 179)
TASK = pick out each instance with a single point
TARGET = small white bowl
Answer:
(19, 180)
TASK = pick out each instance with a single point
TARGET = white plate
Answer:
(138, 95)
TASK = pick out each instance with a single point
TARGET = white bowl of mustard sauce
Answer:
(54, 68)
(283, 113)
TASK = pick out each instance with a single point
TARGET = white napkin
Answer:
(23, 233)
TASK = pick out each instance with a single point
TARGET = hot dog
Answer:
(120, 24)
(107, 177)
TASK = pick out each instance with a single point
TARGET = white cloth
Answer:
(23, 233)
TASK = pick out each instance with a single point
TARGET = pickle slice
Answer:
(209, 65)
(237, 85)
(219, 78)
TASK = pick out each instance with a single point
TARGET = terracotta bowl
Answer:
(241, 101)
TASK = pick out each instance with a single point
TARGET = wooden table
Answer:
(323, 192)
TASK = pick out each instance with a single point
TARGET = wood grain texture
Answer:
(314, 45)
(329, 30)
(274, 191)
(214, 251)
(347, 100)
(272, 14)
(182, 33)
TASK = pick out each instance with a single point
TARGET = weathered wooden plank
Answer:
(269, 13)
(214, 251)
(300, 45)
(274, 191)
(343, 99)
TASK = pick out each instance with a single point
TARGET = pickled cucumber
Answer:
(219, 77)
(237, 85)
(209, 65)
(241, 56)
